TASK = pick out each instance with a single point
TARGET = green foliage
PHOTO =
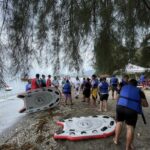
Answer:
(36, 27)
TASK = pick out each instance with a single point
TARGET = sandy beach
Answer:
(35, 131)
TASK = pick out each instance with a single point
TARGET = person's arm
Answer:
(144, 102)
(38, 82)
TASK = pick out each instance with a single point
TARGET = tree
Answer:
(52, 28)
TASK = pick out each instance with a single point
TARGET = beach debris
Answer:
(28, 146)
(40, 125)
(40, 139)
(8, 146)
(138, 134)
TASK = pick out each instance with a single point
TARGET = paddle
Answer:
(143, 117)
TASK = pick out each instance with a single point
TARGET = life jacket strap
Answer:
(130, 99)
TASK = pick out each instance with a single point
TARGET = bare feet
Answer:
(105, 110)
(131, 147)
(100, 110)
(115, 141)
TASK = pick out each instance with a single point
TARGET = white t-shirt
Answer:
(55, 83)
(77, 83)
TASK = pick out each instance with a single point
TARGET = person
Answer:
(87, 90)
(114, 84)
(48, 82)
(142, 80)
(103, 90)
(43, 81)
(35, 82)
(129, 105)
(67, 92)
(124, 82)
(100, 80)
(77, 87)
(83, 83)
(55, 82)
(28, 85)
(27, 88)
(82, 88)
(94, 88)
(63, 82)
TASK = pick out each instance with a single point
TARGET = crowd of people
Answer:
(129, 98)
(38, 82)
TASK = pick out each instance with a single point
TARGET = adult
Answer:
(48, 82)
(35, 82)
(103, 90)
(142, 80)
(87, 90)
(67, 92)
(77, 87)
(27, 88)
(94, 88)
(43, 81)
(63, 82)
(114, 84)
(124, 82)
(83, 83)
(129, 105)
(28, 85)
(55, 82)
(82, 88)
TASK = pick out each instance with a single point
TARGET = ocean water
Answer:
(17, 87)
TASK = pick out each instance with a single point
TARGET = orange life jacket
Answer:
(34, 84)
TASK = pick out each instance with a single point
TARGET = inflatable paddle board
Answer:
(40, 99)
(82, 128)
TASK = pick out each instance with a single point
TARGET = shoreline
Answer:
(35, 131)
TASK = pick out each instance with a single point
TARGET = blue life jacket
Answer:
(142, 78)
(95, 83)
(124, 82)
(67, 88)
(130, 98)
(104, 88)
(114, 80)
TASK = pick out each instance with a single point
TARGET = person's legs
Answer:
(77, 93)
(94, 96)
(84, 96)
(84, 99)
(112, 92)
(117, 132)
(94, 101)
(65, 98)
(100, 105)
(131, 119)
(105, 98)
(88, 100)
(129, 137)
(105, 105)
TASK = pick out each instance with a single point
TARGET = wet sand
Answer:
(35, 131)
